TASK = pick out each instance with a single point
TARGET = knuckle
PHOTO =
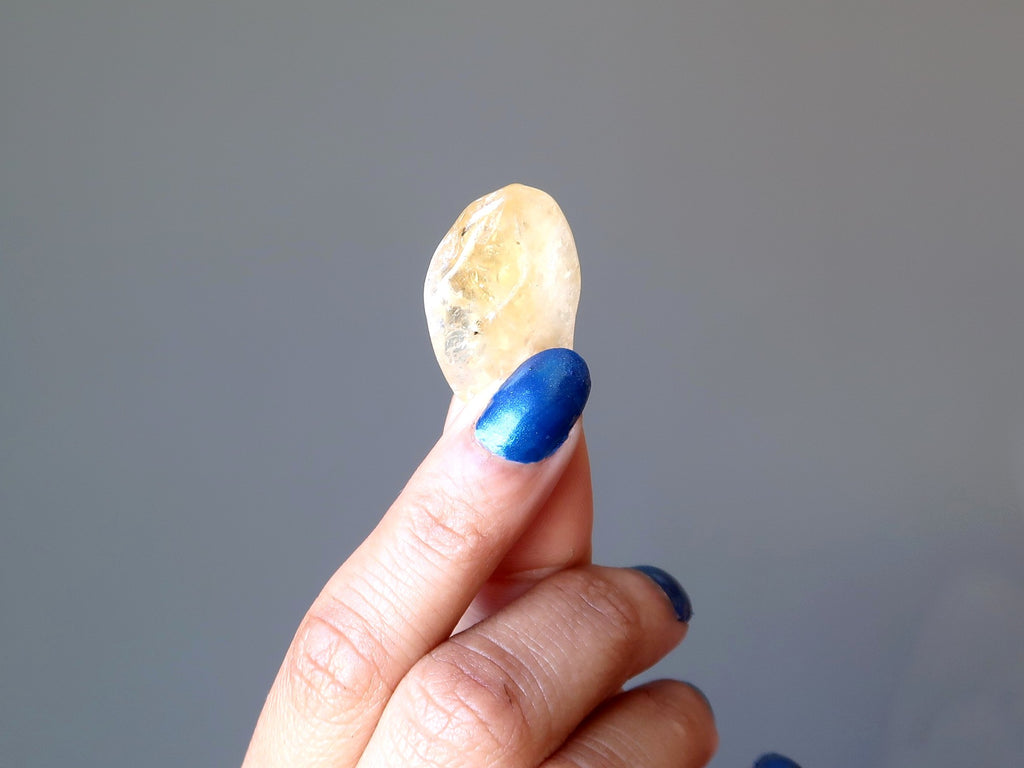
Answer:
(608, 604)
(333, 668)
(464, 703)
(444, 527)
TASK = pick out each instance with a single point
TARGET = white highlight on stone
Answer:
(503, 284)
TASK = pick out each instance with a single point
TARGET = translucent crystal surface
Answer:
(503, 285)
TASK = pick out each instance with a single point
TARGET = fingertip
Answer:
(673, 590)
(774, 760)
(535, 409)
(698, 693)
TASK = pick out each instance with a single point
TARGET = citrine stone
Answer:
(503, 285)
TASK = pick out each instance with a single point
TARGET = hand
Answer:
(492, 543)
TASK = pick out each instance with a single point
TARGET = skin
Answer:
(470, 630)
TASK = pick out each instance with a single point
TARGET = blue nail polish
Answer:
(530, 416)
(774, 760)
(676, 594)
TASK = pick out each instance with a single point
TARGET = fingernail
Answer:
(531, 415)
(672, 588)
(774, 760)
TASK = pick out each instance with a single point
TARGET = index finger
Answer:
(403, 590)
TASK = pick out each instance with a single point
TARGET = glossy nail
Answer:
(531, 415)
(774, 760)
(672, 588)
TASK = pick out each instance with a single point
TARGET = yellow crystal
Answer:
(503, 285)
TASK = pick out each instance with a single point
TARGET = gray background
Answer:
(801, 226)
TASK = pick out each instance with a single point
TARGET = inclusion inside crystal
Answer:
(503, 284)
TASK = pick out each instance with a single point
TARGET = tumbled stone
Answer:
(503, 285)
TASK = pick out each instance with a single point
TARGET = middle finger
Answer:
(511, 689)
